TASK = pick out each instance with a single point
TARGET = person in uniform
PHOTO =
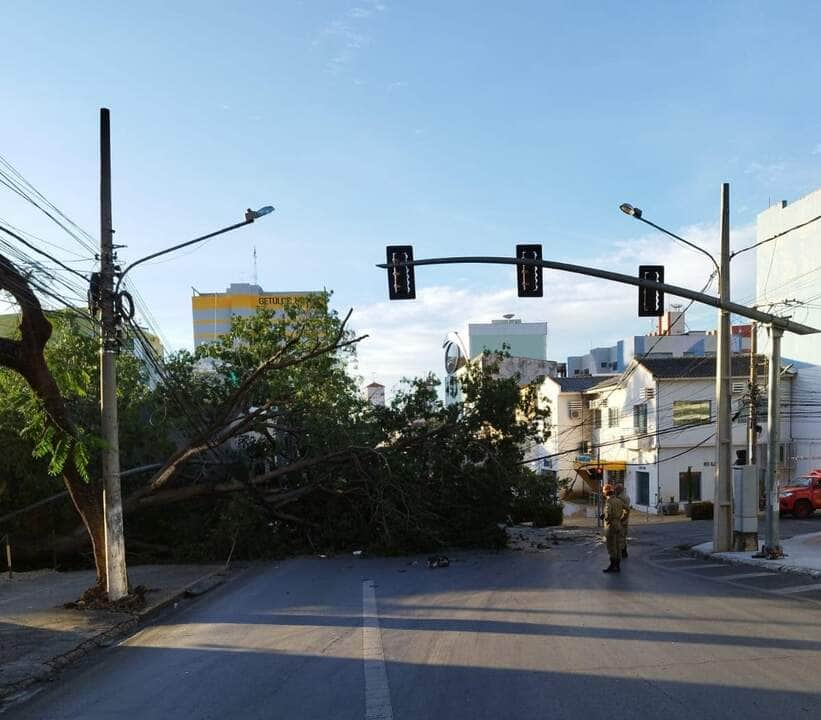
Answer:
(614, 511)
(622, 495)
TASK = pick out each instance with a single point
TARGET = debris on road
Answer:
(438, 561)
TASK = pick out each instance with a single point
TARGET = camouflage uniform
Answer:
(614, 511)
(625, 498)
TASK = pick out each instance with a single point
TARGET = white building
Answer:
(788, 281)
(653, 428)
(522, 339)
(375, 392)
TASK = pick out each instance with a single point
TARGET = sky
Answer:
(461, 128)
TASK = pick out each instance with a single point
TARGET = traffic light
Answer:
(401, 280)
(651, 302)
(529, 277)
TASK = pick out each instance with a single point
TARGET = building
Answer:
(653, 427)
(567, 431)
(519, 338)
(788, 281)
(212, 312)
(670, 339)
(375, 392)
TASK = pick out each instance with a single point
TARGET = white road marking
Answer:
(702, 567)
(377, 693)
(744, 576)
(797, 589)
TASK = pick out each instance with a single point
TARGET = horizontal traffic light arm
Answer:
(735, 308)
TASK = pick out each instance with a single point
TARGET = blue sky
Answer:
(457, 127)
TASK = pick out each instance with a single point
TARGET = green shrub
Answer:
(536, 500)
(701, 510)
(548, 516)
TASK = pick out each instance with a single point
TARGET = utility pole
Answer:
(116, 575)
(772, 542)
(723, 510)
(752, 416)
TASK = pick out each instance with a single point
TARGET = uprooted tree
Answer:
(265, 433)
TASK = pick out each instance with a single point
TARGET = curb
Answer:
(109, 636)
(788, 569)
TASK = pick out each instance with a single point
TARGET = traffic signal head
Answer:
(529, 277)
(651, 302)
(401, 280)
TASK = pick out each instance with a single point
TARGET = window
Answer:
(613, 417)
(615, 477)
(640, 417)
(689, 486)
(597, 418)
(605, 365)
(691, 412)
(584, 447)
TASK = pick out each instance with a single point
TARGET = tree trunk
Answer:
(88, 501)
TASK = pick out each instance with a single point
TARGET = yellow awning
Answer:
(604, 465)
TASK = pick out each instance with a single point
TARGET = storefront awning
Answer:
(604, 465)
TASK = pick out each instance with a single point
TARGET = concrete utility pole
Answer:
(116, 575)
(772, 541)
(723, 507)
(752, 417)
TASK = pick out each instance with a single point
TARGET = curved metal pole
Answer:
(247, 221)
(711, 300)
(679, 238)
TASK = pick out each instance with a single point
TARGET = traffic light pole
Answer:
(752, 313)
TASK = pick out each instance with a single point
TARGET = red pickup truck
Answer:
(802, 497)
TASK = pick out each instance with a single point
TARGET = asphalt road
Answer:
(507, 635)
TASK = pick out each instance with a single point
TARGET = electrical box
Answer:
(745, 498)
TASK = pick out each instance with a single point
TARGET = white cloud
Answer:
(767, 173)
(344, 37)
(817, 149)
(405, 337)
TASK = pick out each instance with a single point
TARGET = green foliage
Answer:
(536, 500)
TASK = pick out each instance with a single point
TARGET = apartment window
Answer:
(640, 418)
(612, 417)
(615, 477)
(691, 412)
(689, 486)
(584, 447)
(597, 418)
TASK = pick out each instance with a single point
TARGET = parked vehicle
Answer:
(802, 497)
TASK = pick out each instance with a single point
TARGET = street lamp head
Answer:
(628, 209)
(251, 215)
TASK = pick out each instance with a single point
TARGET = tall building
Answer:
(521, 339)
(212, 312)
(375, 392)
(671, 339)
(788, 282)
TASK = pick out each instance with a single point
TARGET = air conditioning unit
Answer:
(739, 388)
(648, 393)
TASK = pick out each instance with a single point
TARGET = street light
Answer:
(722, 525)
(250, 216)
(635, 212)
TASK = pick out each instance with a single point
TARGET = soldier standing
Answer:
(614, 511)
(622, 495)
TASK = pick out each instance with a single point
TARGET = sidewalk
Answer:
(39, 636)
(802, 555)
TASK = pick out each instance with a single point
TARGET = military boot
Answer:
(617, 566)
(611, 567)
(624, 552)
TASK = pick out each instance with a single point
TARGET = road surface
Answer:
(495, 635)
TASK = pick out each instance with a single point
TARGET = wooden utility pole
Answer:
(116, 574)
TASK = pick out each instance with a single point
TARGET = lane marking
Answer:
(797, 589)
(701, 567)
(744, 576)
(377, 693)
